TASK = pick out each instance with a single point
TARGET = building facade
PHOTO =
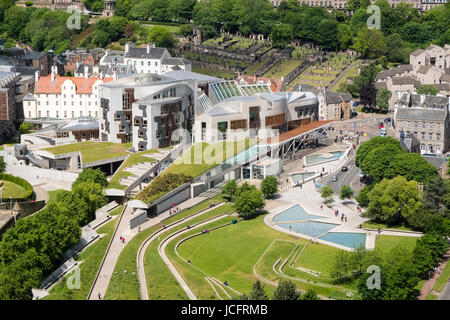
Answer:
(146, 109)
(64, 97)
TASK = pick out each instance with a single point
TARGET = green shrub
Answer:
(162, 185)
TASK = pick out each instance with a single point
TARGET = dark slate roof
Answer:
(445, 77)
(380, 85)
(421, 114)
(405, 80)
(435, 102)
(409, 142)
(141, 53)
(384, 74)
(33, 55)
(423, 69)
(175, 61)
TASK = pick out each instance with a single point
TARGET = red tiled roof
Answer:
(82, 85)
(298, 131)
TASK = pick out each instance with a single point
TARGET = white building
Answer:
(64, 97)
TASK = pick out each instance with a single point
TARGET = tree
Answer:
(310, 294)
(363, 197)
(394, 201)
(161, 37)
(327, 34)
(412, 166)
(91, 193)
(377, 163)
(269, 186)
(91, 175)
(258, 292)
(248, 202)
(186, 30)
(2, 165)
(366, 147)
(370, 43)
(281, 35)
(286, 290)
(383, 96)
(346, 192)
(229, 190)
(327, 194)
(428, 252)
(428, 89)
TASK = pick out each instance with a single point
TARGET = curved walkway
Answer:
(162, 253)
(149, 240)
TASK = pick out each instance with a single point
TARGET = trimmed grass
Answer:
(93, 151)
(233, 251)
(382, 226)
(282, 69)
(161, 284)
(443, 278)
(131, 160)
(53, 195)
(431, 297)
(202, 157)
(317, 257)
(173, 29)
(125, 286)
(387, 243)
(216, 73)
(91, 257)
(10, 189)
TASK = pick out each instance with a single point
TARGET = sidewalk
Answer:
(106, 272)
(429, 284)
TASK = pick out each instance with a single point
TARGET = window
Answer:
(238, 124)
(149, 63)
(48, 113)
(65, 114)
(156, 63)
(423, 124)
(57, 114)
(89, 113)
(81, 113)
(96, 114)
(415, 124)
(142, 63)
(438, 136)
(29, 114)
(431, 136)
(423, 135)
(39, 113)
(73, 114)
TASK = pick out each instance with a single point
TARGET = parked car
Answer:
(334, 179)
(381, 125)
(356, 103)
(387, 120)
(344, 168)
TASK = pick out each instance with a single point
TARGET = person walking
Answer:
(99, 296)
(321, 207)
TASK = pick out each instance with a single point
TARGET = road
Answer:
(368, 125)
(445, 294)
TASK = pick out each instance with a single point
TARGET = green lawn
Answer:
(387, 243)
(131, 160)
(93, 151)
(256, 65)
(173, 29)
(431, 297)
(443, 278)
(216, 73)
(234, 250)
(161, 284)
(125, 285)
(53, 194)
(10, 189)
(91, 257)
(282, 69)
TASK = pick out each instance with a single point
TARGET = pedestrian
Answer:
(120, 238)
(321, 207)
(379, 230)
(345, 219)
(290, 228)
(99, 296)
(139, 229)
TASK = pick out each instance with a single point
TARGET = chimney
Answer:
(95, 69)
(148, 48)
(101, 75)
(53, 75)
(36, 76)
(127, 47)
(86, 72)
(115, 75)
(55, 69)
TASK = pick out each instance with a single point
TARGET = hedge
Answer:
(21, 182)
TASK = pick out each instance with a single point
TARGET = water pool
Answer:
(309, 228)
(346, 239)
(322, 157)
(294, 213)
(298, 177)
(249, 154)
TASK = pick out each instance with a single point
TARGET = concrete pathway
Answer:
(162, 253)
(148, 241)
(104, 276)
(429, 284)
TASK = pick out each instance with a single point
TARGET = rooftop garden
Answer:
(200, 158)
(92, 151)
(131, 160)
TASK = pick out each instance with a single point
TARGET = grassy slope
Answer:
(93, 151)
(10, 189)
(131, 160)
(282, 69)
(125, 286)
(91, 257)
(386, 243)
